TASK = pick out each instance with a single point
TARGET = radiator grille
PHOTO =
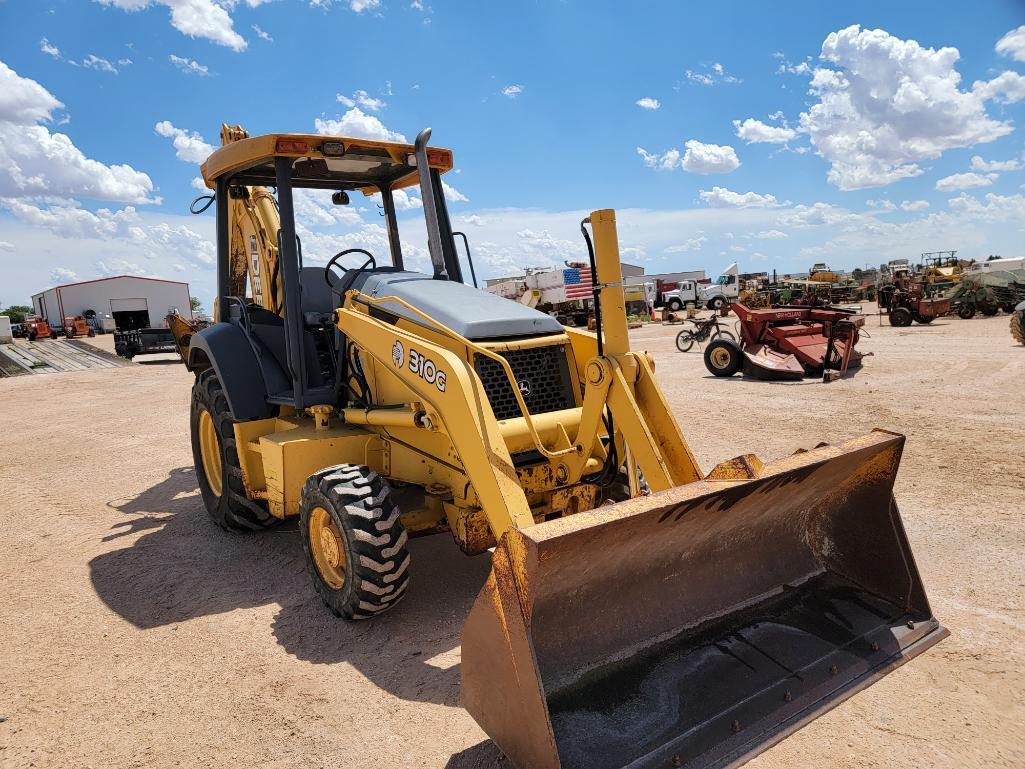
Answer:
(543, 374)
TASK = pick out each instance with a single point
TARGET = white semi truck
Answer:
(712, 295)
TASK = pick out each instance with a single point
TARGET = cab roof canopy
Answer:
(321, 162)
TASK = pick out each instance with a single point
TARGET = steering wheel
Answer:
(370, 261)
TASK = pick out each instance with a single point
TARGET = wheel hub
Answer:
(720, 357)
(331, 547)
(327, 548)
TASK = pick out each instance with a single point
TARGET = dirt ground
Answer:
(135, 633)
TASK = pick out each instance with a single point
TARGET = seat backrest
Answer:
(316, 296)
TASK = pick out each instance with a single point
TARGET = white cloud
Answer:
(24, 101)
(363, 99)
(692, 244)
(261, 34)
(189, 66)
(965, 181)
(887, 105)
(667, 161)
(915, 205)
(92, 61)
(996, 208)
(357, 124)
(198, 184)
(1013, 44)
(359, 6)
(720, 197)
(710, 75)
(794, 69)
(978, 164)
(1007, 87)
(452, 194)
(6, 246)
(698, 158)
(474, 220)
(205, 19)
(512, 91)
(188, 145)
(69, 220)
(35, 162)
(60, 275)
(50, 50)
(701, 158)
(769, 235)
(882, 206)
(819, 214)
(755, 131)
(648, 103)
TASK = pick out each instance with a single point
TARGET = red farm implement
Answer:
(788, 343)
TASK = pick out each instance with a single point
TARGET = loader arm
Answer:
(457, 406)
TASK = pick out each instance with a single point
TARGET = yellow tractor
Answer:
(639, 612)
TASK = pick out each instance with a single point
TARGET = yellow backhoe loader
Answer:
(639, 612)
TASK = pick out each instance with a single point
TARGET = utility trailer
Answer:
(144, 341)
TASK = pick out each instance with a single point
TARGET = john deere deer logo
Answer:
(398, 354)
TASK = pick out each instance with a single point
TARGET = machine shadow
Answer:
(483, 755)
(184, 566)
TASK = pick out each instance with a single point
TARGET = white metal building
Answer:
(132, 302)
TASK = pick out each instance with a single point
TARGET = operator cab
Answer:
(301, 356)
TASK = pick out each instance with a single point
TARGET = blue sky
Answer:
(774, 135)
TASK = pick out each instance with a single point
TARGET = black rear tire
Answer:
(723, 357)
(900, 317)
(364, 527)
(989, 310)
(230, 509)
(32, 336)
(924, 320)
(966, 311)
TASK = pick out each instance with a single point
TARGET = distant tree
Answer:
(197, 306)
(991, 257)
(17, 312)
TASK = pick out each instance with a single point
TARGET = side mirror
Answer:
(340, 198)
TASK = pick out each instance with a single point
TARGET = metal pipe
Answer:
(516, 431)
(288, 261)
(394, 243)
(469, 257)
(223, 251)
(430, 208)
(383, 417)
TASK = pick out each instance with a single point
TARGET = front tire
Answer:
(715, 303)
(723, 358)
(354, 543)
(966, 311)
(674, 305)
(685, 340)
(215, 455)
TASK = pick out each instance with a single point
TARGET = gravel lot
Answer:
(135, 633)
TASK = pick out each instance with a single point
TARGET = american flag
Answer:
(578, 282)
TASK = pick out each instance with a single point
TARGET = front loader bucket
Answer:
(698, 626)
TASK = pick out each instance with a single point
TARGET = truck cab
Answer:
(724, 290)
